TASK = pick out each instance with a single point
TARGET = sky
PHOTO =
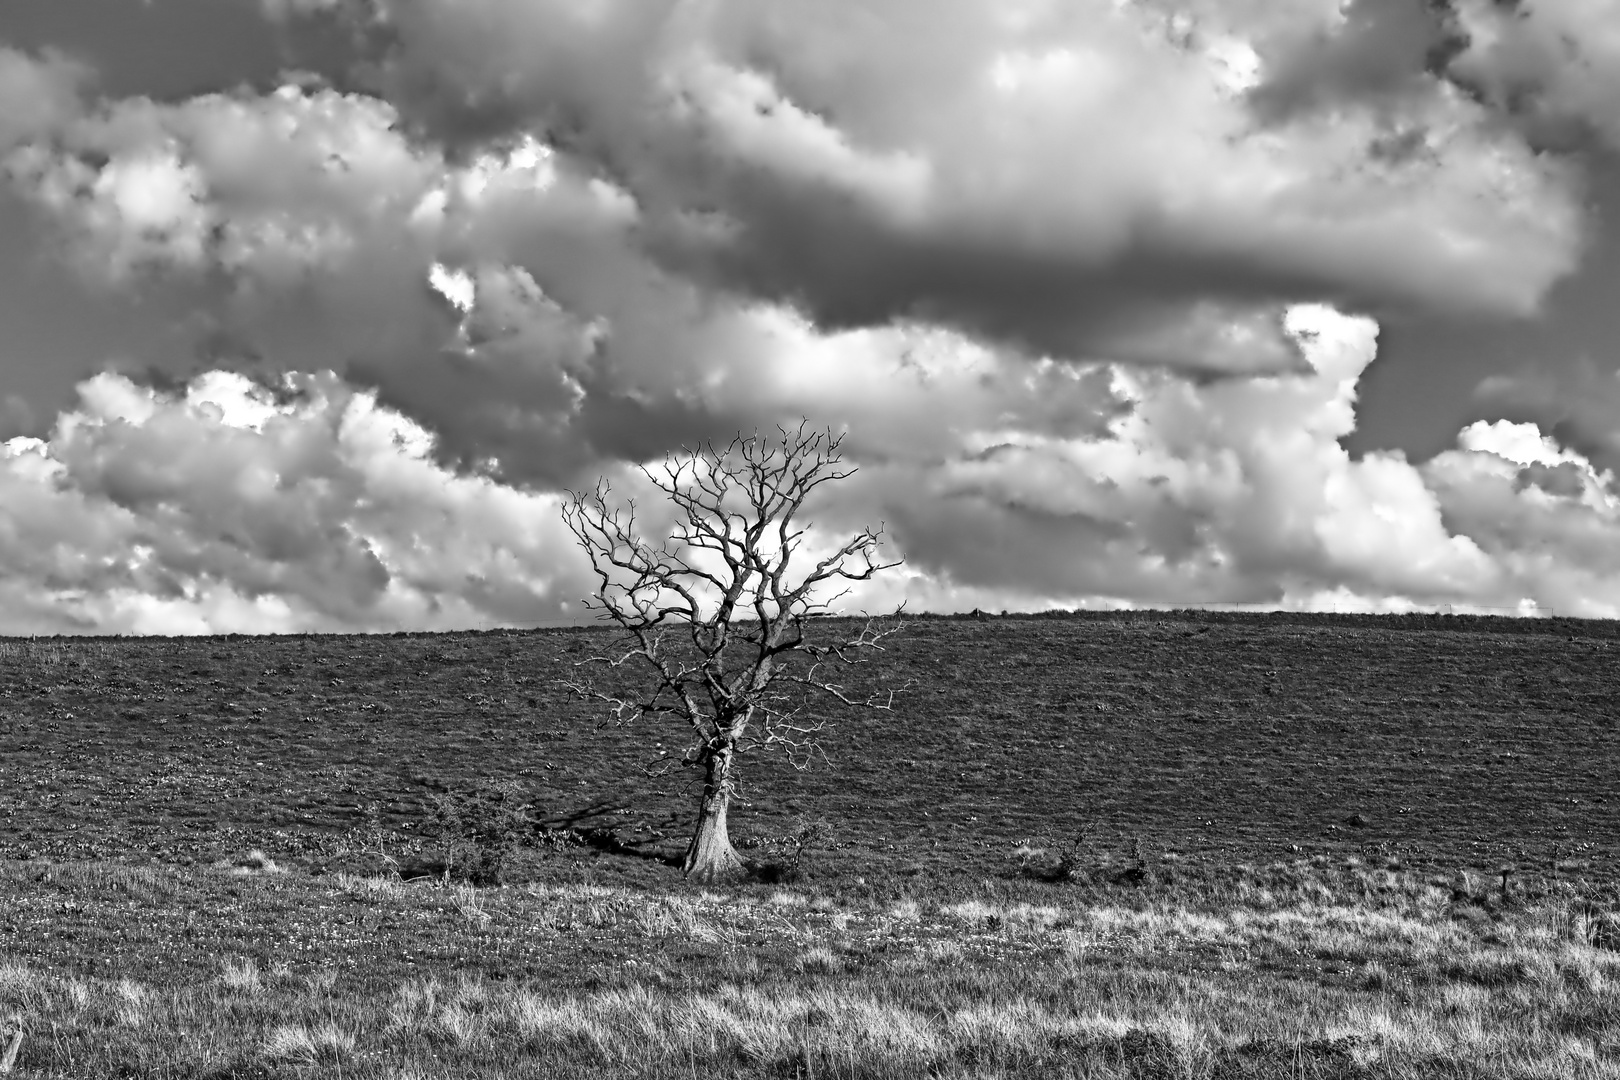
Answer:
(313, 311)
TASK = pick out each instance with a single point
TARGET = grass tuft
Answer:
(241, 976)
(304, 1044)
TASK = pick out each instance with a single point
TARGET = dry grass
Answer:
(784, 983)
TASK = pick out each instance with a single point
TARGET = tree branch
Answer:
(723, 572)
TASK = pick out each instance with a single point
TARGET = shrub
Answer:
(479, 828)
(1071, 860)
(1074, 860)
(785, 863)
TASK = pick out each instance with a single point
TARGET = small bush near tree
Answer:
(478, 829)
(781, 859)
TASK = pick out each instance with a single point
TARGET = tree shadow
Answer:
(592, 826)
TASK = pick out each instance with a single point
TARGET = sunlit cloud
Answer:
(234, 507)
(1091, 288)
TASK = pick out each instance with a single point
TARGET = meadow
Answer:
(1154, 845)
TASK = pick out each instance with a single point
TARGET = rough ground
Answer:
(1452, 741)
(1197, 846)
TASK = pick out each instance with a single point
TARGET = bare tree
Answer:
(721, 633)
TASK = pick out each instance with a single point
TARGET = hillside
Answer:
(1222, 738)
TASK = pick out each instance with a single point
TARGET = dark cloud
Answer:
(947, 165)
(1551, 67)
(1566, 479)
(1379, 53)
(40, 93)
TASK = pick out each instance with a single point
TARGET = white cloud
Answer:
(1239, 492)
(1580, 403)
(270, 188)
(344, 244)
(1553, 530)
(1236, 490)
(456, 286)
(1091, 184)
(1520, 443)
(231, 508)
(1003, 485)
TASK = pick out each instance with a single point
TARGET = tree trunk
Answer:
(710, 856)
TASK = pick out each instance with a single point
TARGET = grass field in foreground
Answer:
(1298, 970)
(1321, 806)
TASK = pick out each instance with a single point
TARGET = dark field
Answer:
(1211, 739)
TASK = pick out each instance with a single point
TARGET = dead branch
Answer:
(728, 580)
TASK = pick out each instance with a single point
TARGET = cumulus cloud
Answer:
(1233, 491)
(1043, 262)
(268, 188)
(1060, 177)
(1578, 405)
(1239, 492)
(1548, 518)
(648, 203)
(232, 507)
(1102, 181)
(324, 236)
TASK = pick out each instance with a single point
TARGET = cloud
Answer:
(1047, 265)
(1548, 518)
(1239, 492)
(40, 94)
(1101, 181)
(304, 230)
(640, 196)
(1580, 406)
(231, 507)
(1065, 179)
(1232, 491)
(228, 505)
(1374, 52)
(266, 188)
(1555, 64)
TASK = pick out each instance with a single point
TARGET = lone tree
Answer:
(720, 630)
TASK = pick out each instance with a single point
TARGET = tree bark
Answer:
(710, 856)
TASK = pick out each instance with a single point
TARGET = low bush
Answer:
(477, 830)
(783, 857)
